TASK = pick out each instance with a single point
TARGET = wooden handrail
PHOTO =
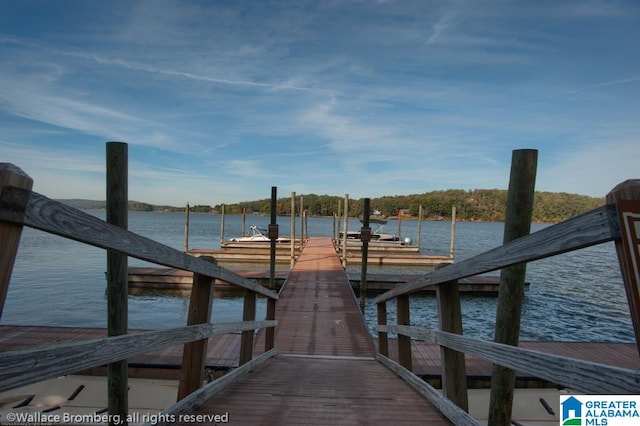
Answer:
(19, 206)
(581, 375)
(37, 211)
(591, 228)
(19, 368)
(457, 415)
(202, 395)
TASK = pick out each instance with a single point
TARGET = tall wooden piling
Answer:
(186, 228)
(273, 237)
(626, 198)
(222, 225)
(365, 237)
(452, 247)
(117, 279)
(418, 237)
(244, 221)
(293, 228)
(10, 233)
(301, 219)
(339, 216)
(345, 228)
(511, 290)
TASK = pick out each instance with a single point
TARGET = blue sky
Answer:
(221, 100)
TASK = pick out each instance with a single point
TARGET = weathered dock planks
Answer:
(322, 391)
(317, 312)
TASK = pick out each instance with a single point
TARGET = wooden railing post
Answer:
(404, 342)
(454, 373)
(10, 175)
(270, 332)
(383, 341)
(248, 314)
(117, 278)
(194, 355)
(511, 290)
(626, 197)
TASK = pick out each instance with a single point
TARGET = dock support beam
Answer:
(117, 279)
(511, 291)
(10, 233)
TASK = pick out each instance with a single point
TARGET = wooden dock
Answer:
(142, 279)
(222, 353)
(313, 360)
(325, 367)
(325, 371)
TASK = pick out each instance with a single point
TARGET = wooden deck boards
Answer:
(317, 312)
(299, 390)
(318, 316)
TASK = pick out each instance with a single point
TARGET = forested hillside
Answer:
(478, 204)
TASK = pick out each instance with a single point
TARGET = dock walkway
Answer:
(325, 371)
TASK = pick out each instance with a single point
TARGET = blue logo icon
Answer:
(571, 412)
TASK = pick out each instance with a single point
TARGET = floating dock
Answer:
(143, 279)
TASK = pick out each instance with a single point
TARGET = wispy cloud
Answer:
(604, 84)
(411, 95)
(440, 27)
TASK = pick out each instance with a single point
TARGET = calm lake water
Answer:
(577, 296)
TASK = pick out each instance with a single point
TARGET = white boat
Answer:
(258, 235)
(376, 235)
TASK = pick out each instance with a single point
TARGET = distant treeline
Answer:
(477, 204)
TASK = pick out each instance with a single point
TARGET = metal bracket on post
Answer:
(365, 234)
(273, 231)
